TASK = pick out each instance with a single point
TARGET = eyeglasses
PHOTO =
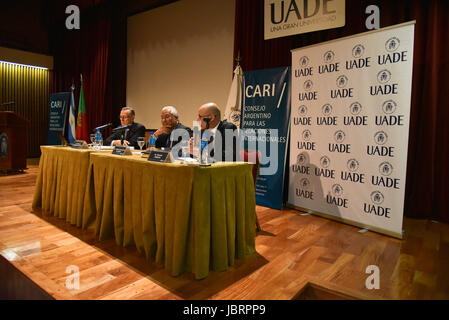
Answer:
(123, 118)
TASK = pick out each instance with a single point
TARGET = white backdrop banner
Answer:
(349, 128)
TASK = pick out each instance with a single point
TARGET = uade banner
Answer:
(349, 128)
(265, 118)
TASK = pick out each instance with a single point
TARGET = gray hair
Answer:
(172, 110)
(131, 110)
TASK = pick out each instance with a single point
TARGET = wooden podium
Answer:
(13, 141)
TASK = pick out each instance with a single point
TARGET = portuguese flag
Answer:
(81, 121)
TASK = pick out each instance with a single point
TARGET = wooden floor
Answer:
(298, 257)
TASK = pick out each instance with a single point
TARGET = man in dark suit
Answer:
(165, 135)
(126, 136)
(218, 132)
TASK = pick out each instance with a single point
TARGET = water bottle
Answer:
(196, 140)
(151, 140)
(98, 139)
(204, 150)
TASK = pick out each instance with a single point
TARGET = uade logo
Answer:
(302, 159)
(304, 61)
(304, 183)
(339, 136)
(326, 109)
(325, 161)
(389, 106)
(302, 110)
(337, 190)
(308, 85)
(377, 197)
(342, 81)
(355, 108)
(384, 76)
(358, 51)
(329, 56)
(392, 44)
(380, 138)
(353, 165)
(385, 168)
(306, 134)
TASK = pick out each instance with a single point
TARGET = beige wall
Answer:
(181, 55)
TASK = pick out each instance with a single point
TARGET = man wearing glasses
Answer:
(170, 122)
(128, 132)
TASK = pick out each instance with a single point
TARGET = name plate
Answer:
(79, 144)
(159, 156)
(122, 151)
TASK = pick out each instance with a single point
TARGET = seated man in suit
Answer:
(130, 132)
(165, 137)
(219, 132)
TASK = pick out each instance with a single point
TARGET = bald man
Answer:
(212, 112)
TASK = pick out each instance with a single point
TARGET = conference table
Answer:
(186, 217)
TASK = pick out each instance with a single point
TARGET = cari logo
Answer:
(308, 85)
(337, 190)
(304, 183)
(325, 161)
(326, 109)
(377, 197)
(358, 51)
(306, 134)
(392, 44)
(380, 138)
(353, 165)
(329, 56)
(302, 110)
(389, 106)
(385, 168)
(384, 76)
(339, 136)
(304, 61)
(355, 108)
(342, 81)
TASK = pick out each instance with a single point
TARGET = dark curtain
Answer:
(427, 182)
(97, 51)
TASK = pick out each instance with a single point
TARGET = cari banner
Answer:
(349, 128)
(265, 120)
(288, 17)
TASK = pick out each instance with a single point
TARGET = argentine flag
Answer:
(72, 135)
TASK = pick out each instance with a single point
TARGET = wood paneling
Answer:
(298, 257)
(29, 88)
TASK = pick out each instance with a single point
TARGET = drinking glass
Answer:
(92, 139)
(141, 142)
(185, 148)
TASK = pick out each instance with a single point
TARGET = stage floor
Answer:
(298, 257)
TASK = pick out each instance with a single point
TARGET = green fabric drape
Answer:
(61, 182)
(188, 218)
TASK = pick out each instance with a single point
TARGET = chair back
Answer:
(251, 157)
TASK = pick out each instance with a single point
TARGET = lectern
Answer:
(13, 141)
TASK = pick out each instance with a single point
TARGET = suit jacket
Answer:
(135, 130)
(222, 126)
(165, 140)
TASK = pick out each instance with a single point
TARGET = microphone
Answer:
(120, 128)
(207, 120)
(103, 126)
(126, 133)
(6, 103)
